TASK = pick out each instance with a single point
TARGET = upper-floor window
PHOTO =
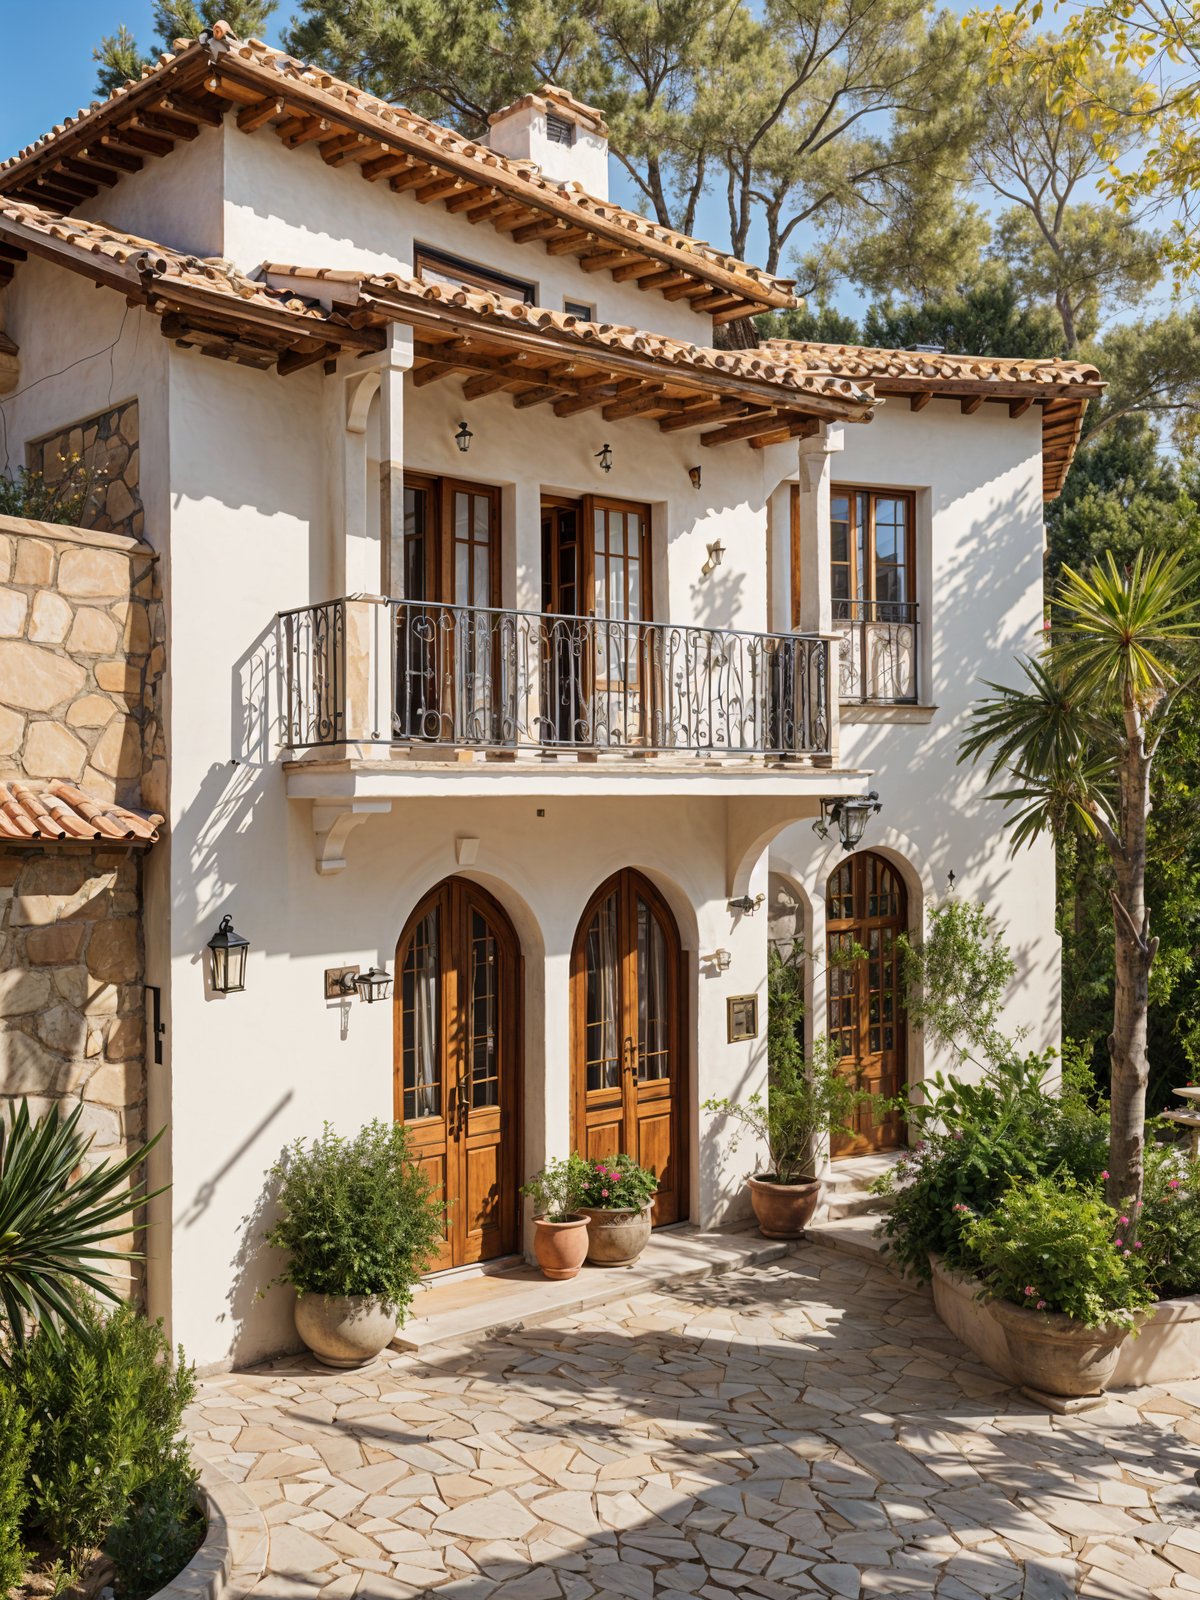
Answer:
(873, 586)
(435, 266)
(580, 309)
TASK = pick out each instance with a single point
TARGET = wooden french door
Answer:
(628, 1057)
(866, 908)
(457, 1063)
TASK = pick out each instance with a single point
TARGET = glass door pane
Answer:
(421, 1032)
(654, 1054)
(602, 1049)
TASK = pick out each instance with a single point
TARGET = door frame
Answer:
(506, 928)
(439, 554)
(681, 1087)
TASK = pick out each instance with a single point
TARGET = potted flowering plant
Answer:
(560, 1230)
(617, 1199)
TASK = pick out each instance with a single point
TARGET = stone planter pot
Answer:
(783, 1210)
(560, 1247)
(345, 1330)
(616, 1238)
(1056, 1355)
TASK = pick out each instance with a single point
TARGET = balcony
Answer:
(878, 652)
(436, 679)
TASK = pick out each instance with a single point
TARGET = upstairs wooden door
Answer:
(629, 1065)
(866, 909)
(457, 1063)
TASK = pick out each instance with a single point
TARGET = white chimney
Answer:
(568, 140)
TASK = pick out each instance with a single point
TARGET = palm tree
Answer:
(1078, 741)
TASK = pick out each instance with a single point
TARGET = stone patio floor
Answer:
(804, 1428)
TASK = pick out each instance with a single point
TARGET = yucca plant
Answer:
(58, 1221)
(1079, 741)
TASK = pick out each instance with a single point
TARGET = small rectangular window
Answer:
(559, 130)
(435, 266)
(580, 309)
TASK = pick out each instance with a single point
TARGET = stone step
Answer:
(849, 1202)
(852, 1236)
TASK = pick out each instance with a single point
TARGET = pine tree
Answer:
(119, 57)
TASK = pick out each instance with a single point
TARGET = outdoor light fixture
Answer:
(694, 475)
(721, 959)
(848, 816)
(748, 904)
(463, 437)
(227, 958)
(375, 984)
(604, 457)
(716, 554)
(950, 876)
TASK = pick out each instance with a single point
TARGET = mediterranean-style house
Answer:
(466, 597)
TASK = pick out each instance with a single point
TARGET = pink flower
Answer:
(1137, 1244)
(1127, 1252)
(1117, 1244)
(1173, 1183)
(1041, 1306)
(1124, 1222)
(1104, 1174)
(604, 1194)
(1030, 1290)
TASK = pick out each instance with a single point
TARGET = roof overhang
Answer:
(207, 78)
(62, 813)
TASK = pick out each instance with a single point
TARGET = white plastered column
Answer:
(813, 608)
(369, 555)
(398, 360)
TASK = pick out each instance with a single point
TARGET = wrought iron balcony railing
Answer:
(408, 672)
(877, 658)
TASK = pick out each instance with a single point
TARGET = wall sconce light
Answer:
(227, 958)
(374, 984)
(343, 983)
(748, 904)
(950, 877)
(694, 475)
(463, 437)
(721, 959)
(848, 816)
(604, 457)
(716, 554)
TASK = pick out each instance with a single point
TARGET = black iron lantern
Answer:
(463, 437)
(604, 457)
(227, 958)
(849, 817)
(374, 985)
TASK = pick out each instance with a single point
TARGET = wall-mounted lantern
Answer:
(605, 457)
(694, 475)
(716, 554)
(849, 817)
(375, 984)
(227, 958)
(463, 437)
(748, 904)
(343, 983)
(721, 959)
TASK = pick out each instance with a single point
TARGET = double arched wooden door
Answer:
(866, 908)
(457, 1063)
(628, 1061)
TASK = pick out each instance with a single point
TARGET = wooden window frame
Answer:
(873, 494)
(592, 503)
(470, 274)
(439, 533)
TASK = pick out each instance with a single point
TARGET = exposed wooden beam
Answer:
(691, 290)
(484, 384)
(706, 411)
(314, 128)
(92, 170)
(537, 396)
(595, 392)
(489, 208)
(13, 252)
(439, 188)
(163, 122)
(243, 93)
(639, 268)
(334, 151)
(386, 166)
(604, 260)
(151, 144)
(650, 399)
(768, 422)
(295, 360)
(918, 402)
(1018, 408)
(535, 230)
(205, 113)
(970, 404)
(409, 179)
(572, 239)
(67, 184)
(663, 279)
(433, 372)
(806, 428)
(250, 118)
(123, 160)
(739, 311)
(713, 300)
(469, 198)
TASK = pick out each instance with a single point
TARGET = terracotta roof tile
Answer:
(59, 812)
(928, 366)
(551, 95)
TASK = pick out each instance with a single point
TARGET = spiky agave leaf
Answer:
(1127, 632)
(57, 1221)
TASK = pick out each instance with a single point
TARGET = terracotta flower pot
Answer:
(1056, 1354)
(616, 1238)
(345, 1330)
(783, 1210)
(560, 1247)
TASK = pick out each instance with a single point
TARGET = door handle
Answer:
(630, 1055)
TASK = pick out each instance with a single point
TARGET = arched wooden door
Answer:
(628, 1059)
(457, 1067)
(866, 906)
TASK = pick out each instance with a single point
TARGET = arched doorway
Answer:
(457, 1067)
(866, 906)
(628, 1060)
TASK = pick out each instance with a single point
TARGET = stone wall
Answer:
(106, 447)
(82, 650)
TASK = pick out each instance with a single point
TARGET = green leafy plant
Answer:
(618, 1184)
(28, 494)
(17, 1433)
(1049, 1246)
(1166, 1225)
(805, 1098)
(357, 1216)
(109, 1402)
(57, 1221)
(558, 1189)
(158, 1533)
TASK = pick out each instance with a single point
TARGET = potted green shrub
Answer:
(360, 1222)
(618, 1196)
(560, 1238)
(804, 1100)
(1065, 1284)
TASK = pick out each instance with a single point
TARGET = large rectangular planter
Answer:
(1166, 1350)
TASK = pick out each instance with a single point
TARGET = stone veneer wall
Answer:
(82, 649)
(107, 447)
(81, 660)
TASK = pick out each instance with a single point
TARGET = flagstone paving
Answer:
(806, 1428)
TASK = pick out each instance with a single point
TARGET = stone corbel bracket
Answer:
(333, 823)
